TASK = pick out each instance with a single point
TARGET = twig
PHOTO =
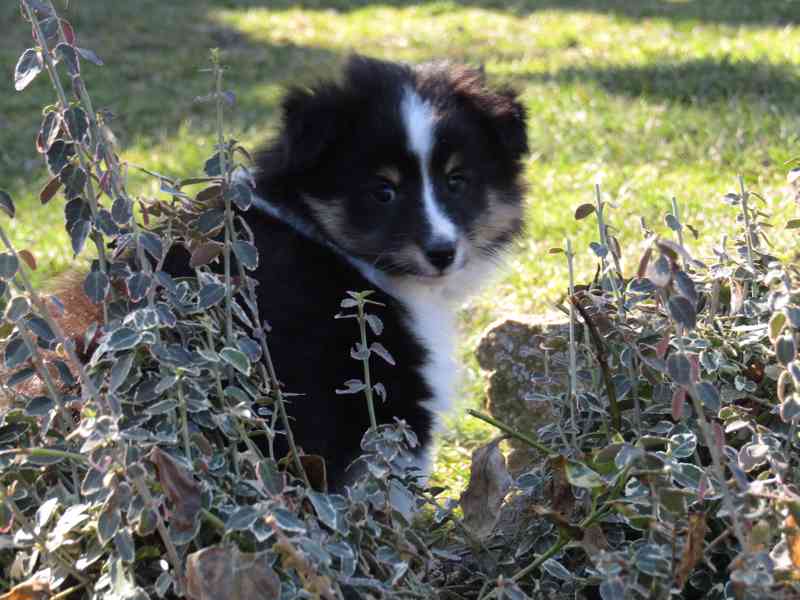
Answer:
(573, 359)
(512, 432)
(602, 360)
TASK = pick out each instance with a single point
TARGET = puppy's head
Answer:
(413, 170)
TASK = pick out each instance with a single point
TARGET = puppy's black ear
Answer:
(500, 109)
(311, 125)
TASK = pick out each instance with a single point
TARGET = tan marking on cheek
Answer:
(330, 216)
(500, 217)
(453, 163)
(390, 173)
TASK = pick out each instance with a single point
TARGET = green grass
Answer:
(653, 98)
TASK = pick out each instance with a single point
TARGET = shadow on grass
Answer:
(729, 12)
(698, 82)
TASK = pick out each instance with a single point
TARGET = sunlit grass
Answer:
(652, 99)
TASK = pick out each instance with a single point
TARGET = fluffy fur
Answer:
(398, 179)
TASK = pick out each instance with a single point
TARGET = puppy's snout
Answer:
(441, 253)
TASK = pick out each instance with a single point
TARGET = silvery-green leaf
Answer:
(138, 285)
(708, 395)
(582, 476)
(237, 359)
(16, 352)
(287, 521)
(682, 311)
(374, 323)
(246, 254)
(123, 543)
(654, 560)
(210, 295)
(28, 67)
(687, 475)
(39, 406)
(108, 522)
(270, 476)
(326, 511)
(96, 286)
(785, 349)
(242, 519)
(17, 309)
(679, 369)
(9, 264)
(119, 371)
(7, 204)
(556, 569)
(123, 338)
(378, 349)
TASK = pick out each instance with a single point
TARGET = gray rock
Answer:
(527, 359)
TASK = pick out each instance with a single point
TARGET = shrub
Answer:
(131, 472)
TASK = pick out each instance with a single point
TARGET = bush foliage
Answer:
(668, 469)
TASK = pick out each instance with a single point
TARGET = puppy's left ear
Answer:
(500, 108)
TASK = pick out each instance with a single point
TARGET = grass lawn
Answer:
(652, 98)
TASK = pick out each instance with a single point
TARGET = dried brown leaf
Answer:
(205, 253)
(489, 482)
(218, 572)
(693, 549)
(36, 587)
(181, 489)
(29, 259)
(562, 500)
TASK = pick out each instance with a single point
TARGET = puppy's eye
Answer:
(456, 182)
(384, 193)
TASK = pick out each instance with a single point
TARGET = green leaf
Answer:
(90, 56)
(78, 234)
(246, 254)
(679, 369)
(213, 166)
(326, 511)
(270, 476)
(28, 67)
(209, 295)
(123, 338)
(708, 395)
(9, 264)
(119, 372)
(77, 123)
(17, 309)
(582, 476)
(683, 312)
(96, 286)
(138, 285)
(785, 349)
(242, 519)
(59, 155)
(69, 56)
(7, 204)
(241, 195)
(238, 360)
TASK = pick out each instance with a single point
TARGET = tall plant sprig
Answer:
(362, 352)
(70, 57)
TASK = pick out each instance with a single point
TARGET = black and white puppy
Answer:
(403, 180)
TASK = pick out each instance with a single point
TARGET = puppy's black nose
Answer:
(441, 254)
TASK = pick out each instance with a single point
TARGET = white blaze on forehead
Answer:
(419, 121)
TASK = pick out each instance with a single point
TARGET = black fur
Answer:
(333, 139)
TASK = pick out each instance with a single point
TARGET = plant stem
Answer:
(223, 165)
(573, 359)
(362, 325)
(604, 240)
(534, 443)
(745, 195)
(187, 447)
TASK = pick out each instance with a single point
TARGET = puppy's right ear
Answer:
(311, 125)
